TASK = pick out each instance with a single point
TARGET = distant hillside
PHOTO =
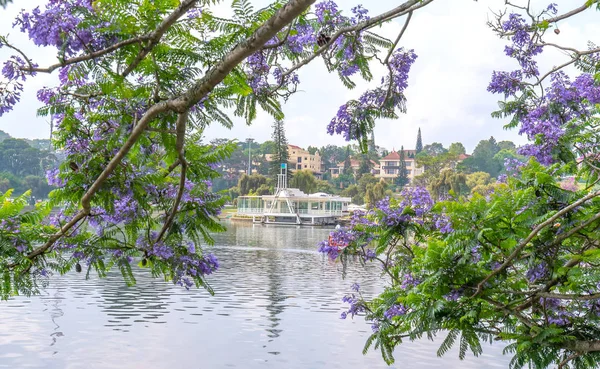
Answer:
(40, 144)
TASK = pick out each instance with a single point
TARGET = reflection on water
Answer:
(277, 305)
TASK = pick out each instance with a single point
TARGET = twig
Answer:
(157, 34)
(387, 58)
(408, 6)
(179, 146)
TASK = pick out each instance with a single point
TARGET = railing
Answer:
(250, 210)
(287, 211)
(320, 212)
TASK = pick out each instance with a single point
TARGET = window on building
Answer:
(299, 166)
(299, 159)
(305, 166)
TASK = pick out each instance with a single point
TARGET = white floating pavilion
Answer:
(292, 206)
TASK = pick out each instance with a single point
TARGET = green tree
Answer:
(448, 182)
(507, 145)
(304, 180)
(280, 154)
(483, 158)
(375, 192)
(435, 149)
(365, 166)
(419, 144)
(402, 179)
(480, 182)
(432, 166)
(457, 148)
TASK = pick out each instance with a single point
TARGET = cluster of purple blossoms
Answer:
(545, 122)
(395, 310)
(476, 254)
(327, 13)
(303, 37)
(391, 215)
(418, 198)
(338, 240)
(454, 295)
(537, 272)
(389, 96)
(13, 86)
(523, 49)
(357, 305)
(369, 255)
(52, 175)
(258, 72)
(564, 101)
(555, 312)
(513, 165)
(409, 281)
(61, 25)
(442, 223)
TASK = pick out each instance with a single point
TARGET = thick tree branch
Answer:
(182, 103)
(568, 14)
(564, 296)
(583, 346)
(530, 237)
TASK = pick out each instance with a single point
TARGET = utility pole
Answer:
(249, 141)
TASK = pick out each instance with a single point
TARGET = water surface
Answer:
(277, 305)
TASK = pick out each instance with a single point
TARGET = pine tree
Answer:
(348, 163)
(372, 147)
(280, 152)
(364, 167)
(402, 178)
(419, 146)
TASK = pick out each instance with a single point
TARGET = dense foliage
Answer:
(516, 260)
(140, 80)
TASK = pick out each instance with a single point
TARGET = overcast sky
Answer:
(447, 95)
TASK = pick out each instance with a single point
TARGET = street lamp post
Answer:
(249, 141)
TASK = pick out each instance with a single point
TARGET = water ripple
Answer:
(277, 305)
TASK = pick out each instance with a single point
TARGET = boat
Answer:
(292, 206)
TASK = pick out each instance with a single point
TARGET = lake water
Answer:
(277, 305)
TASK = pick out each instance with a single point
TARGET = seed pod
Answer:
(78, 268)
(557, 31)
(323, 39)
(74, 166)
(144, 262)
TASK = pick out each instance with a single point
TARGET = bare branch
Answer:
(387, 58)
(568, 14)
(179, 146)
(94, 55)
